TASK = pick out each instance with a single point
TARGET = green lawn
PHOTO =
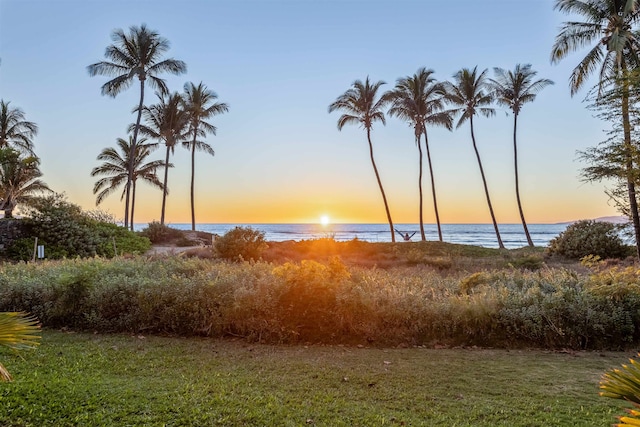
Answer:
(119, 380)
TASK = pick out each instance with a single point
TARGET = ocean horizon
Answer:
(468, 234)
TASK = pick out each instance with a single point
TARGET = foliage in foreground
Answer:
(624, 383)
(329, 302)
(589, 237)
(17, 331)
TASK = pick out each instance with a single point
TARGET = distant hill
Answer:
(618, 219)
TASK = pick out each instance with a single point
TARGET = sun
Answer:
(325, 220)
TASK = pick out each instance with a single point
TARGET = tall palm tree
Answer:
(15, 131)
(608, 28)
(362, 106)
(20, 181)
(167, 121)
(200, 105)
(115, 170)
(513, 89)
(468, 93)
(136, 54)
(418, 99)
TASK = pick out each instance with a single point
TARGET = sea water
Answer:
(469, 234)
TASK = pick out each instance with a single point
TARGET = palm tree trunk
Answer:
(133, 200)
(164, 192)
(631, 187)
(486, 189)
(384, 197)
(193, 175)
(433, 185)
(515, 161)
(132, 157)
(423, 237)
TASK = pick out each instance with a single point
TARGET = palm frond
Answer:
(19, 330)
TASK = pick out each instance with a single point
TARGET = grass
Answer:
(103, 380)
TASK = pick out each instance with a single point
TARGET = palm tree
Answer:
(513, 89)
(15, 131)
(17, 331)
(608, 26)
(115, 170)
(137, 54)
(200, 105)
(468, 93)
(19, 180)
(167, 122)
(418, 99)
(362, 106)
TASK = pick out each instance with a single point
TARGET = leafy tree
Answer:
(608, 27)
(19, 180)
(200, 105)
(17, 331)
(136, 54)
(15, 131)
(362, 106)
(513, 89)
(609, 159)
(115, 170)
(418, 100)
(167, 122)
(468, 94)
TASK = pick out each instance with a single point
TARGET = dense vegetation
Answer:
(66, 231)
(331, 302)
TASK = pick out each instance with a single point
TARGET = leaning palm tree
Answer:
(513, 89)
(418, 100)
(20, 182)
(468, 94)
(167, 121)
(362, 106)
(15, 131)
(200, 105)
(137, 54)
(17, 331)
(115, 170)
(608, 27)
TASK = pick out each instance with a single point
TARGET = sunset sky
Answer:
(279, 64)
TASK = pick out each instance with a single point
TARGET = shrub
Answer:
(589, 238)
(159, 233)
(125, 241)
(241, 243)
(68, 232)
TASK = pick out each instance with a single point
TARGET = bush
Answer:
(159, 233)
(241, 243)
(126, 241)
(589, 238)
(68, 232)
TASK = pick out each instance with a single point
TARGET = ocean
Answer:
(468, 234)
